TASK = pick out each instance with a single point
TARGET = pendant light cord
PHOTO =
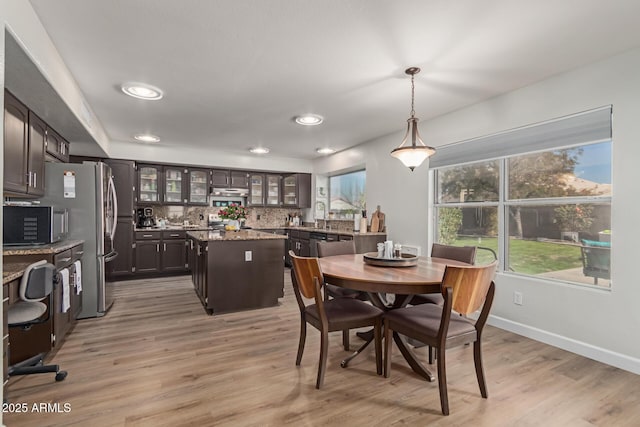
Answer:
(413, 87)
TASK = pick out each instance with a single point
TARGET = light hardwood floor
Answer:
(158, 360)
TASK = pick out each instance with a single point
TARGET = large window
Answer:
(545, 214)
(346, 194)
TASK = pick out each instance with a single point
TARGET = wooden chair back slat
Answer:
(305, 270)
(469, 285)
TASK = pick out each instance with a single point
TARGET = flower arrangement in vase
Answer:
(234, 213)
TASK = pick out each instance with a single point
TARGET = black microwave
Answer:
(34, 225)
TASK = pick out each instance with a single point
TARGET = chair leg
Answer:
(303, 337)
(345, 339)
(322, 364)
(442, 381)
(378, 343)
(430, 355)
(387, 349)
(477, 359)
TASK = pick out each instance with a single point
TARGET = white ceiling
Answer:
(235, 73)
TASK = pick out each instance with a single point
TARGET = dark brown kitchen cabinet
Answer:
(124, 179)
(220, 178)
(124, 263)
(23, 158)
(174, 251)
(175, 188)
(150, 184)
(256, 190)
(239, 179)
(57, 146)
(273, 196)
(299, 242)
(148, 256)
(198, 186)
(296, 190)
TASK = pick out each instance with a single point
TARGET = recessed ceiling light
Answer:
(309, 119)
(259, 150)
(142, 91)
(325, 150)
(147, 138)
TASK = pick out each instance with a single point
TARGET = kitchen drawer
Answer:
(174, 234)
(305, 235)
(332, 237)
(294, 233)
(345, 237)
(77, 252)
(148, 235)
(63, 259)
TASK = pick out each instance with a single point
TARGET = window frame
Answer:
(329, 189)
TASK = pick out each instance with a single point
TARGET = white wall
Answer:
(600, 324)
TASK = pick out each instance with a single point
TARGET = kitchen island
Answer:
(236, 270)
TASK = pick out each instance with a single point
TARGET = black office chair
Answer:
(36, 285)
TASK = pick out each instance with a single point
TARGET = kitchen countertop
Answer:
(53, 248)
(13, 270)
(234, 235)
(326, 231)
(175, 228)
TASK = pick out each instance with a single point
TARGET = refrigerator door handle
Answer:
(114, 201)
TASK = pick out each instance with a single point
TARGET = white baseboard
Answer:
(618, 360)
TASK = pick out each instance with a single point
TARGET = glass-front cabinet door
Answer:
(273, 190)
(256, 190)
(173, 185)
(149, 184)
(290, 190)
(198, 186)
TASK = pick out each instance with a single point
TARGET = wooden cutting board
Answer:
(380, 221)
(375, 221)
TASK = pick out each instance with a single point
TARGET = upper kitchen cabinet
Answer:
(57, 146)
(296, 190)
(198, 186)
(224, 178)
(256, 190)
(220, 178)
(124, 179)
(273, 193)
(23, 158)
(175, 189)
(149, 184)
(239, 179)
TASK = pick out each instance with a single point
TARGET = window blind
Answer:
(581, 128)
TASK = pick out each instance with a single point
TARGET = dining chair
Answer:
(465, 290)
(342, 247)
(329, 315)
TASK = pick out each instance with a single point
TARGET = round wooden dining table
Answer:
(350, 271)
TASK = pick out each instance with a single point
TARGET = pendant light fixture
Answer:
(412, 155)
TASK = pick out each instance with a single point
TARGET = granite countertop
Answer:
(175, 228)
(53, 248)
(234, 235)
(13, 270)
(326, 231)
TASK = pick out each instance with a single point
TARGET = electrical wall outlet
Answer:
(517, 298)
(247, 255)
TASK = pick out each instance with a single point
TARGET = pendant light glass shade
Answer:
(414, 154)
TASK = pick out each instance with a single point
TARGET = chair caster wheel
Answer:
(61, 375)
(344, 364)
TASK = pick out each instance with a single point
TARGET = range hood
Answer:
(229, 192)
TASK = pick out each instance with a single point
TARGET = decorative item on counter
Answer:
(388, 249)
(235, 213)
(356, 222)
(397, 250)
(380, 250)
(363, 221)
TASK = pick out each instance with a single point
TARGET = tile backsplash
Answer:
(258, 217)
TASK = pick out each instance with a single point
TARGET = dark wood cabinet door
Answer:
(56, 146)
(149, 184)
(16, 145)
(174, 185)
(148, 256)
(296, 190)
(124, 178)
(37, 145)
(174, 255)
(256, 190)
(220, 178)
(123, 244)
(198, 186)
(273, 190)
(239, 179)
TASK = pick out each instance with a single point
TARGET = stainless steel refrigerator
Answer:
(87, 191)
